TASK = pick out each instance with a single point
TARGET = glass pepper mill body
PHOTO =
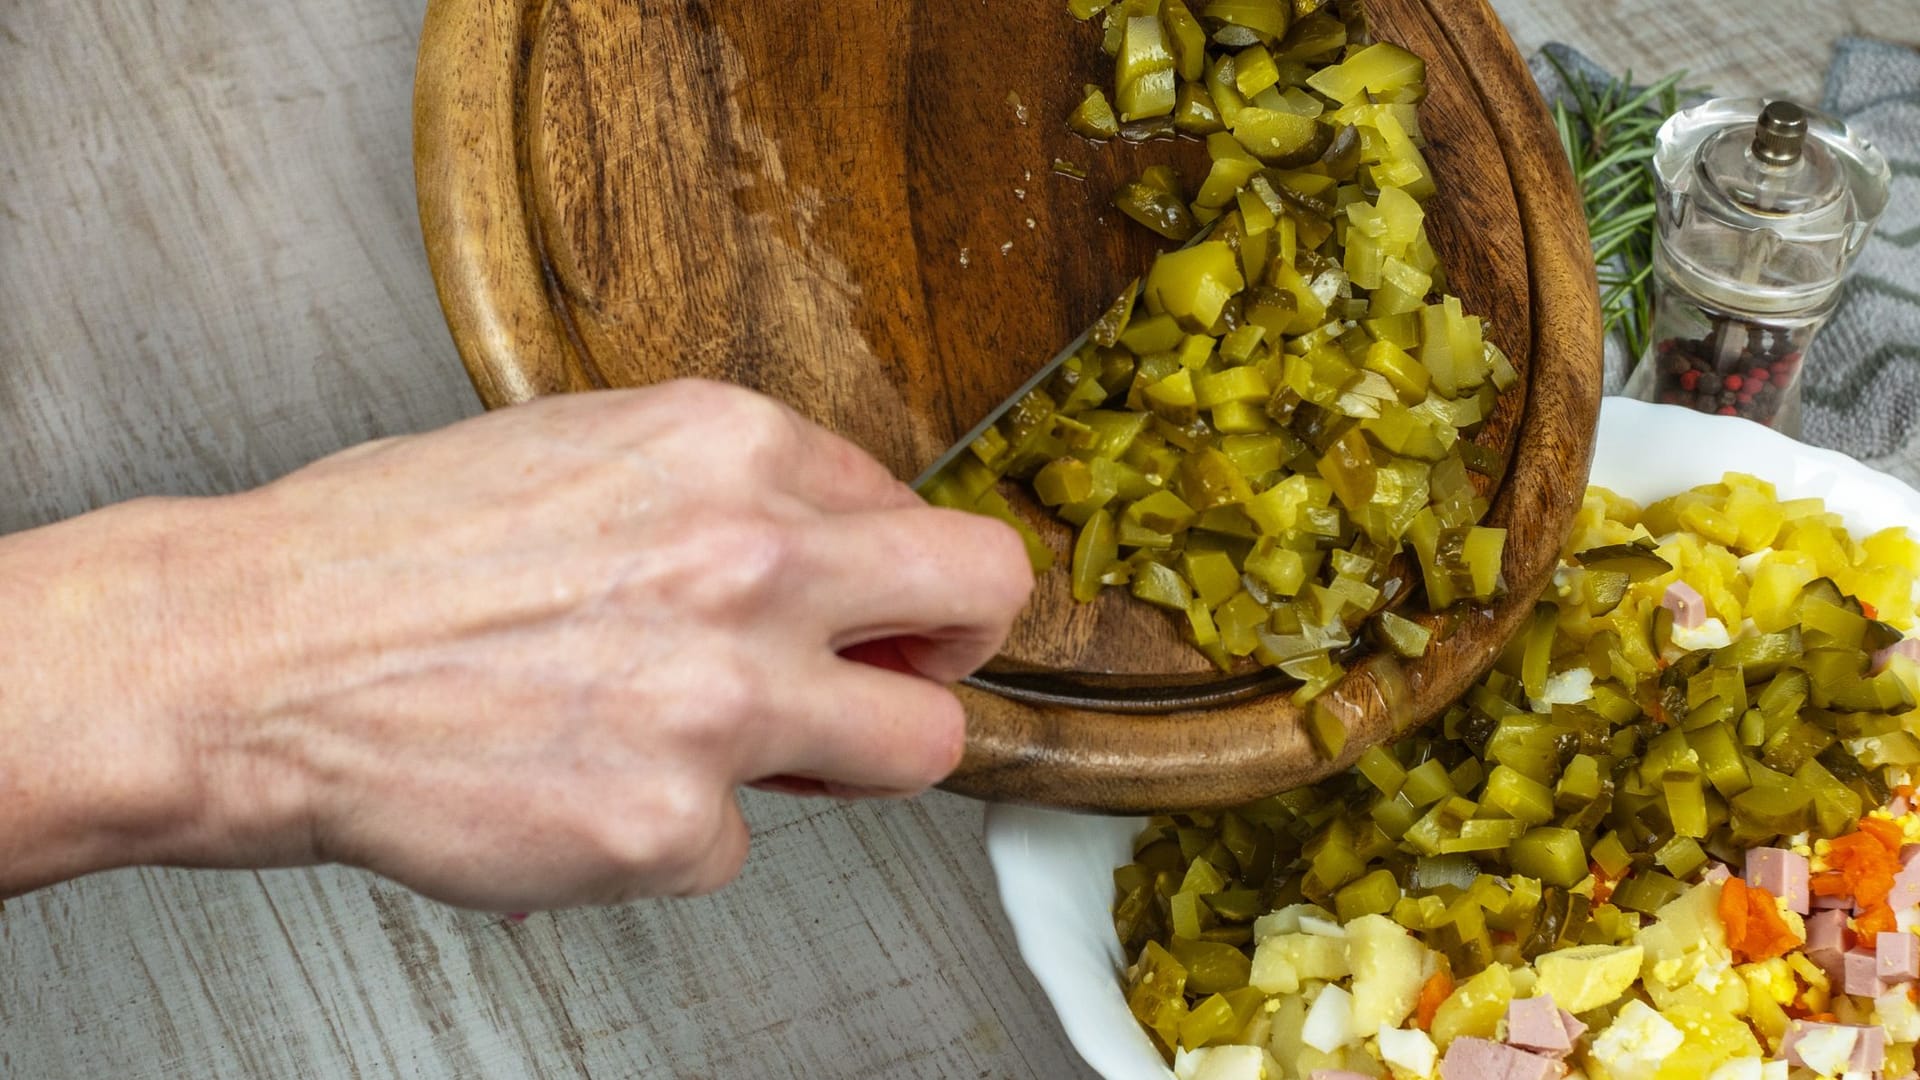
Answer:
(1762, 207)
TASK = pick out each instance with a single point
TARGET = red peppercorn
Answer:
(1689, 380)
(1734, 382)
(1726, 410)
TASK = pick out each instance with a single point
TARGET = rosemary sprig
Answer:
(1608, 135)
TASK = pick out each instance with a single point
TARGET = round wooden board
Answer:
(854, 208)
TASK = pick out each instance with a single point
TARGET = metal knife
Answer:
(1000, 410)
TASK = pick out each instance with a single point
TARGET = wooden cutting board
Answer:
(855, 207)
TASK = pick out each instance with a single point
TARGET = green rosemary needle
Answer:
(1608, 134)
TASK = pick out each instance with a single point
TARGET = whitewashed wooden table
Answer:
(210, 273)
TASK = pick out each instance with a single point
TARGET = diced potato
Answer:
(1475, 1007)
(1281, 963)
(1388, 967)
(1587, 976)
(1687, 940)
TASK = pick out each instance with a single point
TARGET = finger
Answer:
(944, 660)
(833, 474)
(856, 726)
(955, 579)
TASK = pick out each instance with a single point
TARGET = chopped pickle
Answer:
(1271, 433)
(1093, 117)
(1531, 836)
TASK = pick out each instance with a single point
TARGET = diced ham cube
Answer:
(1716, 873)
(1832, 903)
(1906, 886)
(1870, 1051)
(1688, 606)
(1827, 942)
(1573, 1027)
(1908, 853)
(1907, 647)
(1469, 1058)
(1834, 1041)
(1782, 873)
(1896, 956)
(1534, 1024)
(1862, 974)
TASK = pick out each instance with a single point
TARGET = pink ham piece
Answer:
(1469, 1058)
(1870, 1051)
(1716, 873)
(1896, 956)
(1800, 1029)
(1907, 647)
(1573, 1027)
(1688, 606)
(1906, 885)
(1782, 873)
(1862, 974)
(1827, 942)
(1337, 1074)
(1535, 1024)
(1832, 903)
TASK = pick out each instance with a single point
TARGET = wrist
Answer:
(120, 742)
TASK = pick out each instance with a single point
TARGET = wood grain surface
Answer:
(210, 273)
(669, 203)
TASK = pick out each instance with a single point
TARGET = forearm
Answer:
(104, 702)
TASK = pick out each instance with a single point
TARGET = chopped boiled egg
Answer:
(1636, 1042)
(1410, 1053)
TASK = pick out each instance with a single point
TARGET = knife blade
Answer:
(1000, 410)
(960, 446)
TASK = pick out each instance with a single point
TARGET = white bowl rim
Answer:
(1643, 451)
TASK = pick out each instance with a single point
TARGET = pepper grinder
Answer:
(1762, 207)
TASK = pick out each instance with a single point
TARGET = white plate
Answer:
(1054, 869)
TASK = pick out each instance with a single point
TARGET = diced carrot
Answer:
(1829, 883)
(1602, 885)
(1755, 929)
(1860, 864)
(1434, 991)
(1869, 610)
(1884, 831)
(1876, 919)
(1733, 911)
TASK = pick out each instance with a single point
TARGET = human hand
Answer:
(524, 662)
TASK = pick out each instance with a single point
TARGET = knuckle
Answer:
(729, 564)
(731, 695)
(721, 861)
(662, 834)
(753, 554)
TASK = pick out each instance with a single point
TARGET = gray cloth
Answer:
(1861, 385)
